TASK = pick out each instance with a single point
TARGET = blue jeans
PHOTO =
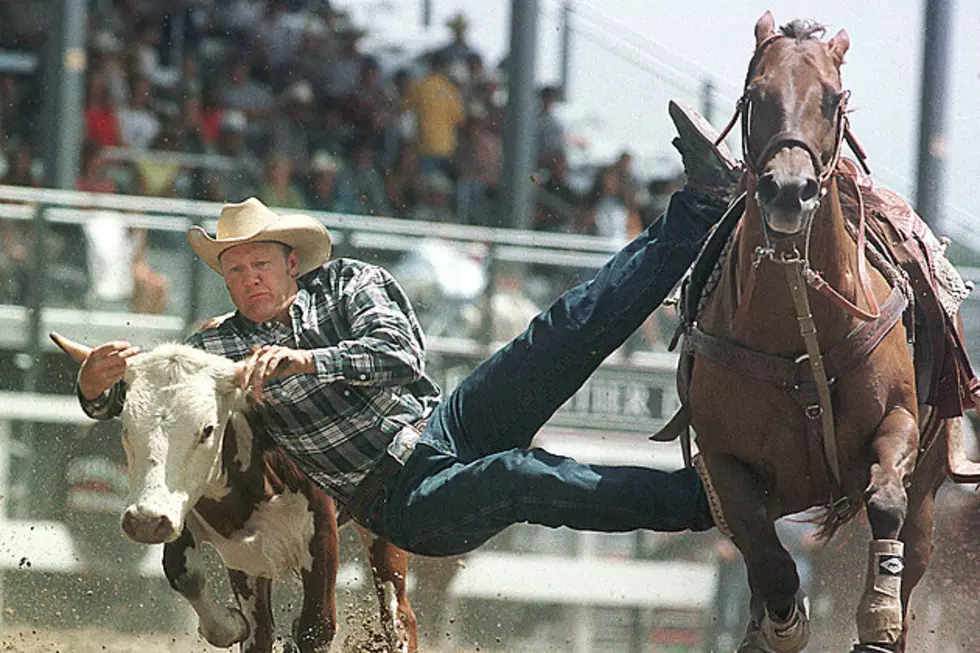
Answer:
(473, 473)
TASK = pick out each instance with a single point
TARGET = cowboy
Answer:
(359, 415)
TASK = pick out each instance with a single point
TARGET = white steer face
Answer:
(178, 404)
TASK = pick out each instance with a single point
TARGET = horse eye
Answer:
(206, 432)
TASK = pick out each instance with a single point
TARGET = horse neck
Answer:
(770, 319)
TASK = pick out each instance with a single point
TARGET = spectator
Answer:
(403, 182)
(107, 51)
(20, 167)
(278, 34)
(331, 134)
(15, 234)
(627, 181)
(121, 279)
(551, 134)
(405, 123)
(250, 97)
(344, 72)
(438, 109)
(370, 108)
(610, 217)
(240, 175)
(325, 192)
(138, 123)
(162, 176)
(92, 176)
(278, 188)
(212, 113)
(557, 204)
(101, 121)
(479, 162)
(364, 182)
(307, 62)
(457, 51)
(191, 133)
(291, 127)
(437, 200)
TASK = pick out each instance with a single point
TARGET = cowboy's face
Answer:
(261, 278)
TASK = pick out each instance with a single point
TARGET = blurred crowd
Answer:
(222, 99)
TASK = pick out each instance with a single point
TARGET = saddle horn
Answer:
(77, 351)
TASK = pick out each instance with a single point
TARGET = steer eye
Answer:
(206, 432)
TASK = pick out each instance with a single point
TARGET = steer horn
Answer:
(77, 351)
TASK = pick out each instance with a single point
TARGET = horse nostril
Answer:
(767, 188)
(810, 190)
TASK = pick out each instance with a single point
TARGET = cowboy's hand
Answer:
(104, 367)
(273, 361)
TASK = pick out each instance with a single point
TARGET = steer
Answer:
(201, 469)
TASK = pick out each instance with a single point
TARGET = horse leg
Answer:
(389, 568)
(918, 532)
(254, 596)
(316, 625)
(879, 613)
(779, 620)
(183, 566)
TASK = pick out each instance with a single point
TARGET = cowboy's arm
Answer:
(384, 345)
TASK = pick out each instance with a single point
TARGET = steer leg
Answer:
(389, 568)
(184, 567)
(254, 596)
(316, 625)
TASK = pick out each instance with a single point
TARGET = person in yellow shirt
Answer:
(438, 110)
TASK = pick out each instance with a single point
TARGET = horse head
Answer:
(793, 119)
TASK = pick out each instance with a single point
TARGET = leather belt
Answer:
(391, 463)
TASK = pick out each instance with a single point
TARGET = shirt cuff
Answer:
(328, 364)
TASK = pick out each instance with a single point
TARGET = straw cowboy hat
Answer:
(252, 221)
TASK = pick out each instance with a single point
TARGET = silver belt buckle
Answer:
(403, 444)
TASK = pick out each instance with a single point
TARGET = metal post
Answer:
(931, 174)
(63, 89)
(427, 13)
(521, 117)
(566, 48)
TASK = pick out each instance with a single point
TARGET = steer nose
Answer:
(145, 527)
(787, 192)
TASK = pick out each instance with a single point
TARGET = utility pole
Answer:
(63, 86)
(427, 13)
(930, 183)
(566, 48)
(520, 123)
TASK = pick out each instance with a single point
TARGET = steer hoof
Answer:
(230, 627)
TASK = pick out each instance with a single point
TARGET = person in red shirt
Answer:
(101, 122)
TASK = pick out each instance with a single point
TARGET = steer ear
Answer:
(77, 351)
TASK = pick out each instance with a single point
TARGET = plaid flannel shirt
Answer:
(369, 355)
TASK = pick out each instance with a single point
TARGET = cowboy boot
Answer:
(711, 170)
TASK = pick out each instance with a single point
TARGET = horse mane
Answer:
(803, 29)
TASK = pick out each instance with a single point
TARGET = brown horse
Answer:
(803, 388)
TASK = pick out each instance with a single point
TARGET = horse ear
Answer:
(838, 46)
(764, 28)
